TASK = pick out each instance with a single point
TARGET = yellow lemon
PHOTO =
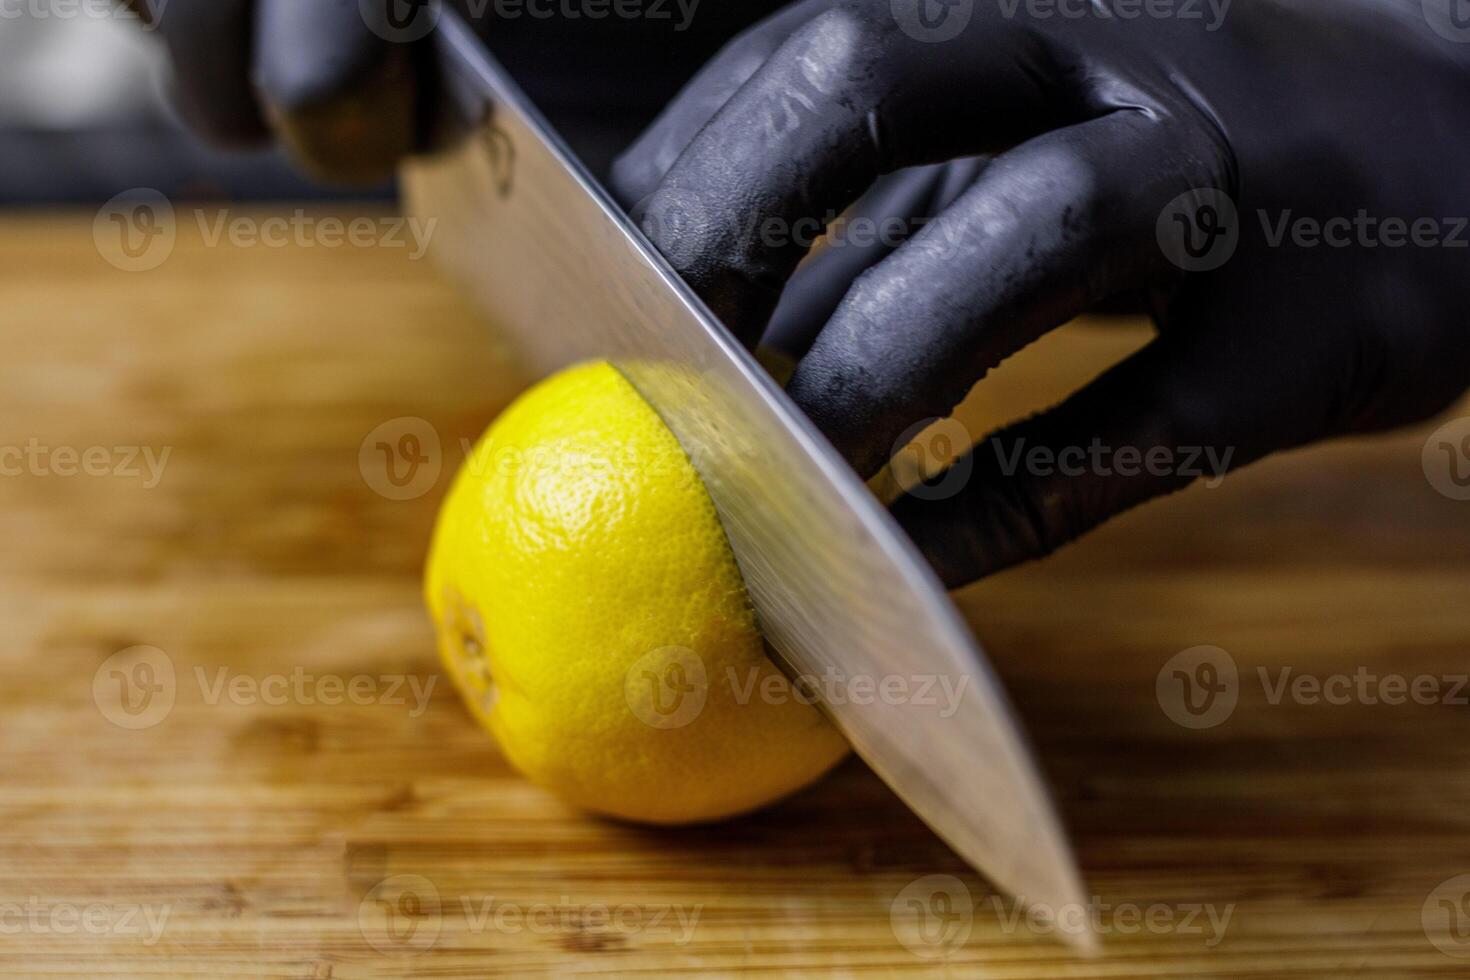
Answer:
(590, 611)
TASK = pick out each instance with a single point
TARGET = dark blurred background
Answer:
(84, 109)
(83, 114)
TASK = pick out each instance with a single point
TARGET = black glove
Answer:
(346, 83)
(338, 80)
(1166, 162)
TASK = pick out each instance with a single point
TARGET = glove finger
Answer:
(639, 169)
(846, 98)
(1045, 232)
(1155, 423)
(343, 94)
(209, 47)
(892, 210)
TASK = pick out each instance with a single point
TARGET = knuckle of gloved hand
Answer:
(708, 239)
(701, 237)
(679, 222)
(834, 402)
(861, 398)
(843, 51)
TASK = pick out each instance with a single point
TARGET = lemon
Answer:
(590, 611)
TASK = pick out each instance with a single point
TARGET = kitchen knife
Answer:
(842, 596)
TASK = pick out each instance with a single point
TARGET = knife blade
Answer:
(845, 601)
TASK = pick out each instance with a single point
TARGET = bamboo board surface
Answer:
(272, 820)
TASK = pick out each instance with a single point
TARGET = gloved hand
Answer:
(1281, 183)
(341, 92)
(345, 82)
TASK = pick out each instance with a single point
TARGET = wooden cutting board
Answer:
(215, 763)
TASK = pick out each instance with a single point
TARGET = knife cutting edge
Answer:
(844, 599)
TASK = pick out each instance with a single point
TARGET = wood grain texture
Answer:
(237, 837)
